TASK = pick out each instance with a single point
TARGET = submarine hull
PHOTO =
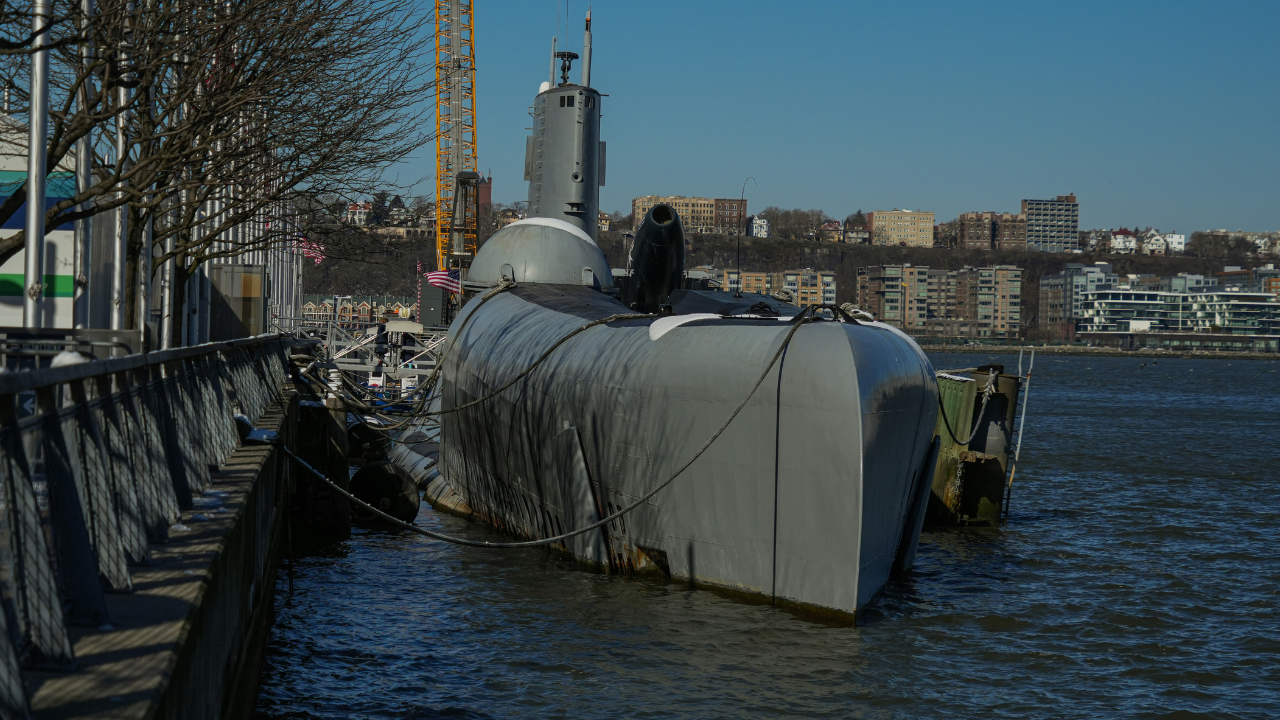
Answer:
(809, 498)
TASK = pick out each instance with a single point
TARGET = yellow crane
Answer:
(455, 125)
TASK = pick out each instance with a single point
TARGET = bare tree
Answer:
(243, 121)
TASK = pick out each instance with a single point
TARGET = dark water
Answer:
(1139, 577)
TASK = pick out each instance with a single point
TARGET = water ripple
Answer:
(1139, 576)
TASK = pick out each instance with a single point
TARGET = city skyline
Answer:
(1149, 113)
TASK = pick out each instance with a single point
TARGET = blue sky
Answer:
(1154, 113)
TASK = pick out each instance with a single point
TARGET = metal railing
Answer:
(114, 449)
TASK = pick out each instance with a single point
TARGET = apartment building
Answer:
(697, 214)
(990, 298)
(971, 302)
(901, 227)
(992, 230)
(730, 216)
(1209, 318)
(1010, 232)
(879, 291)
(807, 286)
(941, 286)
(903, 296)
(1052, 225)
(977, 230)
(1062, 296)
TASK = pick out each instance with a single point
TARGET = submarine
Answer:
(812, 491)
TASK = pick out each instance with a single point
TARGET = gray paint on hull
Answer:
(641, 408)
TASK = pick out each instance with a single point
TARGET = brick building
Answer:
(1010, 232)
(731, 216)
(977, 230)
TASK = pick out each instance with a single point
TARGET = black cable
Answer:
(800, 320)
(977, 424)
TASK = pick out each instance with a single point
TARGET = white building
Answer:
(358, 213)
(759, 226)
(1123, 243)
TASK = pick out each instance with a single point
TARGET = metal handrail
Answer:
(22, 381)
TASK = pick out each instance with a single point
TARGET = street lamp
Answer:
(743, 219)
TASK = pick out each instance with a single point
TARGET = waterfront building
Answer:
(990, 298)
(731, 279)
(1207, 318)
(901, 227)
(941, 286)
(879, 292)
(971, 302)
(915, 299)
(1062, 296)
(1052, 225)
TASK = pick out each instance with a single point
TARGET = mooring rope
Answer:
(805, 316)
(987, 393)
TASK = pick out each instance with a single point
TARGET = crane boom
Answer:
(455, 125)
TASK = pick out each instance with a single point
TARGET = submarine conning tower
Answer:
(564, 164)
(564, 158)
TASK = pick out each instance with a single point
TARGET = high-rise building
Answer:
(915, 299)
(901, 227)
(942, 293)
(879, 292)
(1052, 225)
(990, 298)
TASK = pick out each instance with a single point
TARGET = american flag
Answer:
(450, 280)
(313, 250)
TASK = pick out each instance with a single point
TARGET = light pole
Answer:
(37, 135)
(743, 214)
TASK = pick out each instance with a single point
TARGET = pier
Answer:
(142, 533)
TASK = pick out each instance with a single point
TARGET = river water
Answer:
(1138, 577)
